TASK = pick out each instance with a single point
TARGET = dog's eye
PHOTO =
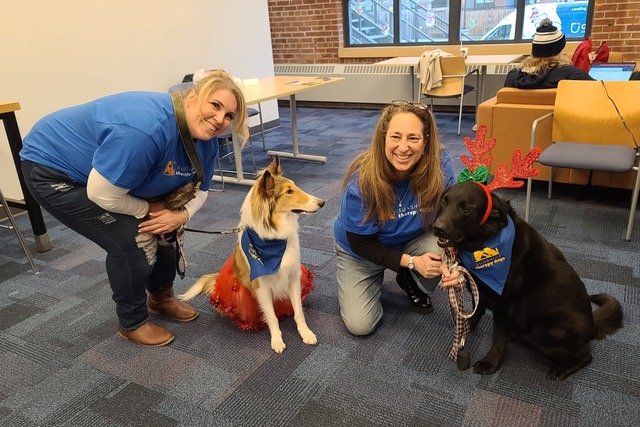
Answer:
(465, 209)
(290, 191)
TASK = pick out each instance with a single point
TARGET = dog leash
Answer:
(233, 230)
(460, 318)
(176, 238)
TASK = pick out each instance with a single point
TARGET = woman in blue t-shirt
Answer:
(104, 168)
(391, 192)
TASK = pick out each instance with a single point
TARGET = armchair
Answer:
(509, 116)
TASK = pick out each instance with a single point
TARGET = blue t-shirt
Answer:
(131, 139)
(396, 233)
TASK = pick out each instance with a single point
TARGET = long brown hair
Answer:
(376, 176)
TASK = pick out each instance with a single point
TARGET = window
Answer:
(406, 22)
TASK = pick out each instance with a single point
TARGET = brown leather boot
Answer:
(148, 334)
(164, 302)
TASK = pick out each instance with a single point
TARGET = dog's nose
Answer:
(438, 231)
(321, 203)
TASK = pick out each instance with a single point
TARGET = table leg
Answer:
(412, 84)
(483, 76)
(237, 157)
(294, 140)
(43, 244)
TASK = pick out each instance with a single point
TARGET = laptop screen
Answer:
(609, 71)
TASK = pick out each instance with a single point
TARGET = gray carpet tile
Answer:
(64, 365)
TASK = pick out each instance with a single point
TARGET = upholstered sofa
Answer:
(509, 116)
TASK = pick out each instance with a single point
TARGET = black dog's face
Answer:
(461, 211)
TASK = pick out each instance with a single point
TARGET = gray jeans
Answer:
(360, 285)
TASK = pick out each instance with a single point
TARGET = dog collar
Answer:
(489, 201)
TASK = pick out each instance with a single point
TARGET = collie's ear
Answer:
(267, 184)
(274, 166)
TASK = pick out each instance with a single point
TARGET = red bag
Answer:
(580, 57)
(602, 54)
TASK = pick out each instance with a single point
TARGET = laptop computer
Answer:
(612, 71)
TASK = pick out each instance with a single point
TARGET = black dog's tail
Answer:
(608, 316)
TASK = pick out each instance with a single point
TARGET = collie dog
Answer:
(263, 279)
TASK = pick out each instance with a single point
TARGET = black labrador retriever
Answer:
(543, 302)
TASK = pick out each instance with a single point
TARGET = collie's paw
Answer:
(309, 337)
(485, 367)
(278, 345)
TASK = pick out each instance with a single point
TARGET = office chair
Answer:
(454, 72)
(595, 128)
(14, 227)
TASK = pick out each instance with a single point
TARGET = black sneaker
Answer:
(418, 298)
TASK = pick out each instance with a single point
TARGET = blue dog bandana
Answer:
(264, 256)
(491, 263)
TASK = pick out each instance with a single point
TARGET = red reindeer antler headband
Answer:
(477, 166)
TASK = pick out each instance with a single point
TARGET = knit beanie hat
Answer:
(548, 40)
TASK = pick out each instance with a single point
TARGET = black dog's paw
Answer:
(557, 374)
(485, 367)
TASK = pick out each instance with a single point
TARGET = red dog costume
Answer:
(234, 300)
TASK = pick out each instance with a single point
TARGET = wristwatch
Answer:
(410, 266)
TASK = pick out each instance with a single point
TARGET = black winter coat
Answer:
(518, 79)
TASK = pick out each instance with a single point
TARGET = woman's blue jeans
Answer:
(360, 285)
(128, 270)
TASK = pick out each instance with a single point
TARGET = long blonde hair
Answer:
(377, 178)
(539, 65)
(219, 79)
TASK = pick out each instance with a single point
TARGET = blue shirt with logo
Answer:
(396, 233)
(131, 139)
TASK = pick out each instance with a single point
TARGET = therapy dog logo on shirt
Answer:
(169, 170)
(172, 170)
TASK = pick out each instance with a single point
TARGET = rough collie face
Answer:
(274, 201)
(273, 282)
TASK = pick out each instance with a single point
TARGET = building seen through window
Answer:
(404, 22)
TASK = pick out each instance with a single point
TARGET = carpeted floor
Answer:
(62, 362)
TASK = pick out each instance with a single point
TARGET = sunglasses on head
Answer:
(418, 105)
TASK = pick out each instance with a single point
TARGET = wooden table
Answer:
(480, 61)
(260, 90)
(8, 117)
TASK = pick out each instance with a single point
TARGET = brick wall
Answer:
(305, 31)
(311, 31)
(618, 22)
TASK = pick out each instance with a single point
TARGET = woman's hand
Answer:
(448, 278)
(162, 221)
(428, 264)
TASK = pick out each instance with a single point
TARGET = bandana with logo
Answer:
(491, 263)
(264, 255)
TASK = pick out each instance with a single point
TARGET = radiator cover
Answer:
(377, 84)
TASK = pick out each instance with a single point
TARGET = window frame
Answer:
(455, 10)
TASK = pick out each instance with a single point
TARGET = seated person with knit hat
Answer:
(547, 65)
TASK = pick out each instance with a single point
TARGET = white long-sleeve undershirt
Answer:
(117, 199)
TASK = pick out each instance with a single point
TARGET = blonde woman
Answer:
(546, 65)
(103, 168)
(390, 196)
